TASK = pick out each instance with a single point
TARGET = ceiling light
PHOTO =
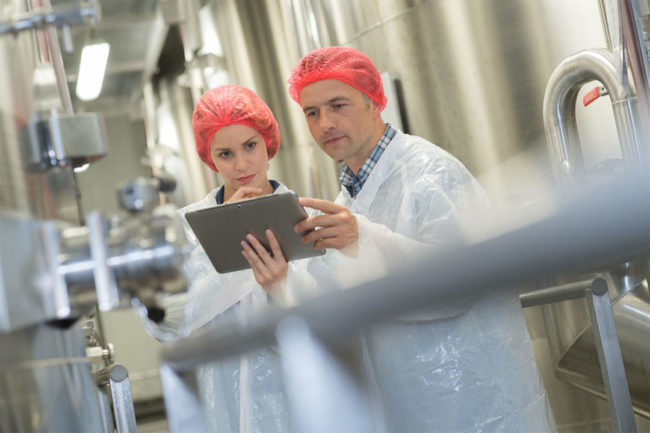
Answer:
(81, 168)
(91, 70)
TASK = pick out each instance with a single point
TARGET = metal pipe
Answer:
(554, 294)
(638, 61)
(602, 226)
(122, 399)
(59, 70)
(559, 112)
(53, 50)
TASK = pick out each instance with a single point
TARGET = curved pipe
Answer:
(559, 112)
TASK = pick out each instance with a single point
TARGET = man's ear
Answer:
(376, 110)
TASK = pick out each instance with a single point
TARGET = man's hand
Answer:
(245, 192)
(270, 270)
(335, 228)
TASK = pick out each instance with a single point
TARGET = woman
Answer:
(236, 135)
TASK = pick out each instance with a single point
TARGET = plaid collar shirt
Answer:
(353, 183)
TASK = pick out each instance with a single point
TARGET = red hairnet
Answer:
(345, 64)
(232, 104)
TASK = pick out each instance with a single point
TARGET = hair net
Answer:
(345, 64)
(232, 104)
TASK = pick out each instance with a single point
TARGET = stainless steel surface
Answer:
(28, 266)
(105, 405)
(262, 60)
(64, 140)
(104, 281)
(45, 382)
(175, 153)
(603, 227)
(573, 349)
(610, 358)
(559, 112)
(472, 71)
(124, 257)
(122, 399)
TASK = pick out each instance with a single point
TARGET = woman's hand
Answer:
(245, 192)
(270, 269)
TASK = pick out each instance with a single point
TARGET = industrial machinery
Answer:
(57, 263)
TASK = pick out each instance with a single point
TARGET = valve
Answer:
(142, 194)
(594, 94)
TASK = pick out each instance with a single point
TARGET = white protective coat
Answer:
(240, 394)
(453, 367)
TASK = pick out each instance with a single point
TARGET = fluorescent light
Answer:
(91, 70)
(81, 168)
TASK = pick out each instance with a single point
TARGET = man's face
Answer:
(342, 120)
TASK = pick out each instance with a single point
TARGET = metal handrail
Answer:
(604, 226)
(560, 293)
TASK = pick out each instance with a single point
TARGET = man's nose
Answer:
(326, 121)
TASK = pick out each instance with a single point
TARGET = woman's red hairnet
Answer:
(232, 104)
(345, 64)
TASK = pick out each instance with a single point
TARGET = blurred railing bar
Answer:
(610, 224)
(555, 294)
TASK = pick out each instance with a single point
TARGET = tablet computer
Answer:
(220, 229)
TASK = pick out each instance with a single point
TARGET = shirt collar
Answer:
(353, 183)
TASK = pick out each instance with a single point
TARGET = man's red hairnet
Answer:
(345, 64)
(232, 104)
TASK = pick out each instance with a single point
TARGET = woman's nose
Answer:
(241, 163)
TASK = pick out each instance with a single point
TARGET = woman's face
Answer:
(239, 153)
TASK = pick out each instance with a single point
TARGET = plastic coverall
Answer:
(450, 368)
(253, 379)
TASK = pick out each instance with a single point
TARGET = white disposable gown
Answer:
(450, 368)
(239, 394)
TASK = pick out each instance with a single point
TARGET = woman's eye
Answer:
(337, 106)
(250, 145)
(310, 114)
(224, 154)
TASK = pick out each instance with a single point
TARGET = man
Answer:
(451, 369)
